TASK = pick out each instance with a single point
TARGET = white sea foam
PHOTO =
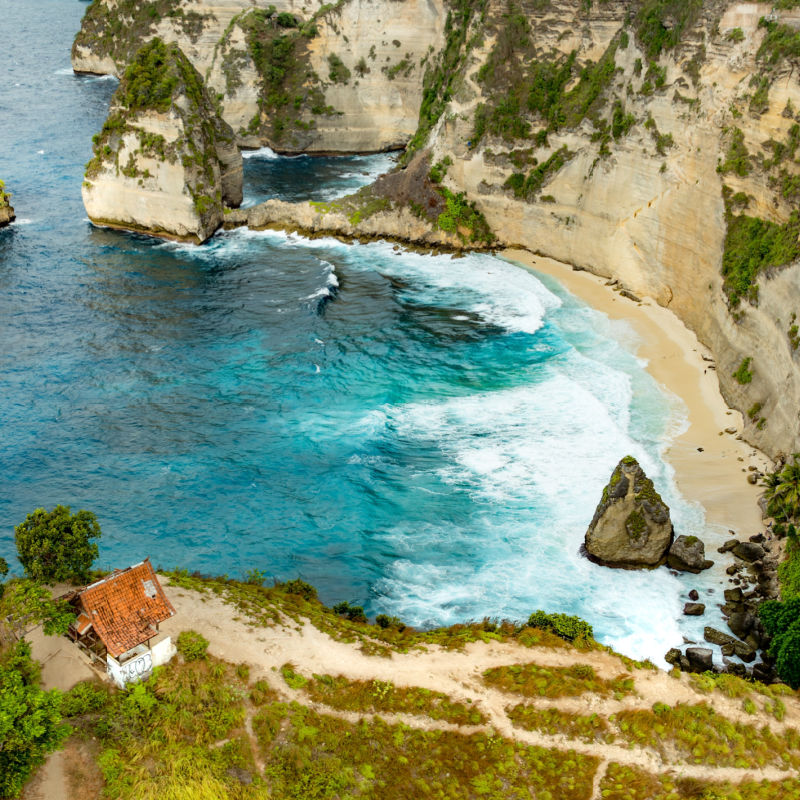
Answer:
(64, 71)
(328, 289)
(267, 153)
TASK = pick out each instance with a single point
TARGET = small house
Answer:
(118, 622)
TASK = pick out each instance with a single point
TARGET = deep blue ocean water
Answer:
(425, 435)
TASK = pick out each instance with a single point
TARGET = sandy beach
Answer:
(710, 464)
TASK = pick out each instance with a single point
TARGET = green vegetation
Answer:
(529, 187)
(30, 719)
(57, 545)
(5, 196)
(553, 721)
(192, 645)
(735, 35)
(532, 680)
(565, 626)
(782, 491)
(743, 374)
(624, 782)
(781, 619)
(700, 735)
(463, 218)
(149, 81)
(753, 245)
(27, 604)
(385, 697)
(270, 605)
(442, 75)
(337, 71)
(737, 159)
(661, 23)
(119, 30)
(518, 81)
(189, 724)
(780, 43)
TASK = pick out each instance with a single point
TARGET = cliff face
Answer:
(164, 162)
(344, 78)
(658, 146)
(655, 142)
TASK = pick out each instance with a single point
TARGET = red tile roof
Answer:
(125, 608)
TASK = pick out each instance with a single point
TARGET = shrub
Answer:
(337, 71)
(566, 626)
(83, 698)
(743, 374)
(353, 613)
(299, 587)
(192, 645)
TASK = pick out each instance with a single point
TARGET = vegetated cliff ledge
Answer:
(164, 162)
(653, 142)
(275, 695)
(6, 211)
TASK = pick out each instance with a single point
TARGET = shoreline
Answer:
(714, 477)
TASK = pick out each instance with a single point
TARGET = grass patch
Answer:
(532, 680)
(623, 782)
(700, 735)
(384, 697)
(552, 721)
(311, 755)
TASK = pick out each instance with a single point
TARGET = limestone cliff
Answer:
(654, 142)
(346, 77)
(6, 211)
(164, 163)
(631, 526)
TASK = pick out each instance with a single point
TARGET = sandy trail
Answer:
(458, 674)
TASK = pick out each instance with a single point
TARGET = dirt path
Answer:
(458, 674)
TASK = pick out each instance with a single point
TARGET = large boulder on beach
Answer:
(165, 162)
(631, 527)
(688, 554)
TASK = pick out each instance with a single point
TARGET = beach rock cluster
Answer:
(631, 526)
(753, 574)
(165, 162)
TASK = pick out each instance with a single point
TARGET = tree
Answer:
(781, 621)
(28, 604)
(56, 545)
(30, 719)
(782, 491)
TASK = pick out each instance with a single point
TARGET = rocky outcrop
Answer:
(164, 163)
(6, 211)
(631, 526)
(688, 554)
(407, 206)
(345, 78)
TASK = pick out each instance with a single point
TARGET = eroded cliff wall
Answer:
(343, 77)
(660, 150)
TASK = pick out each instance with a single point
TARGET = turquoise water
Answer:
(425, 435)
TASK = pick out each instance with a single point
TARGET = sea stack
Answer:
(165, 162)
(631, 527)
(6, 211)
